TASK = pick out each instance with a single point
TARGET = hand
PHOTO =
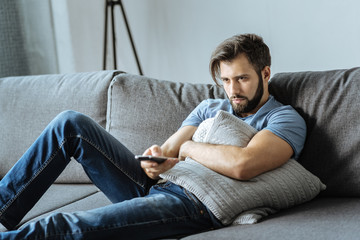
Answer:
(153, 169)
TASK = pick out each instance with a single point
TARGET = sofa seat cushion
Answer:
(320, 219)
(67, 198)
(329, 101)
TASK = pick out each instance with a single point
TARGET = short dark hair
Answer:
(252, 45)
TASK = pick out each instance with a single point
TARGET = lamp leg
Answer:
(111, 3)
(113, 36)
(130, 37)
(105, 35)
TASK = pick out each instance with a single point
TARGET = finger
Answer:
(155, 169)
(148, 164)
(147, 152)
(156, 150)
(163, 167)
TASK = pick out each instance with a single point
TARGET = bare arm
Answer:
(169, 149)
(265, 152)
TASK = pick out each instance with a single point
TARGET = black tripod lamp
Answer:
(109, 5)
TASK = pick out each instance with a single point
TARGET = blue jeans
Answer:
(140, 209)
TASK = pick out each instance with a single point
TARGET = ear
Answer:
(266, 73)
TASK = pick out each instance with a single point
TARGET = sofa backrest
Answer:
(329, 101)
(144, 111)
(28, 104)
(141, 111)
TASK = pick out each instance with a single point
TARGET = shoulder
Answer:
(210, 107)
(285, 122)
(211, 102)
(206, 109)
(273, 112)
(285, 114)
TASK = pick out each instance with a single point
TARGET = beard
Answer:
(249, 104)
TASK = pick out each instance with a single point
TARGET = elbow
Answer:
(242, 176)
(241, 165)
(242, 172)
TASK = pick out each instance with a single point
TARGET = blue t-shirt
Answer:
(282, 120)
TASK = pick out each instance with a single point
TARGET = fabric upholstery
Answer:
(320, 219)
(28, 104)
(67, 198)
(144, 111)
(329, 101)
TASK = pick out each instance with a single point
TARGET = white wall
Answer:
(39, 37)
(175, 38)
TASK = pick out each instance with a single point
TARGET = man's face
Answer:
(243, 85)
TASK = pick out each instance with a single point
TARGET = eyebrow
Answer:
(237, 76)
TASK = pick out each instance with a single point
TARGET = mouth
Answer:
(237, 99)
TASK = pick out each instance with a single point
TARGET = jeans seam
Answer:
(196, 202)
(117, 226)
(37, 173)
(56, 235)
(49, 160)
(108, 157)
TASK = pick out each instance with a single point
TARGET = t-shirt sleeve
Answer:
(196, 116)
(290, 126)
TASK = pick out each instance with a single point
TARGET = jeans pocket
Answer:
(161, 185)
(201, 208)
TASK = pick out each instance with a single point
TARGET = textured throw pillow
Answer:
(242, 202)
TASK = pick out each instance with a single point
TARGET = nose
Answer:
(234, 88)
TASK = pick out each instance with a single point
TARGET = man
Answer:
(142, 208)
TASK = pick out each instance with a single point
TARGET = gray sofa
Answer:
(140, 111)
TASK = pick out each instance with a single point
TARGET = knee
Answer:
(69, 119)
(70, 116)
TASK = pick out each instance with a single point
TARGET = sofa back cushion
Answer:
(329, 101)
(144, 111)
(28, 104)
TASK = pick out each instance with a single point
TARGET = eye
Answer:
(243, 78)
